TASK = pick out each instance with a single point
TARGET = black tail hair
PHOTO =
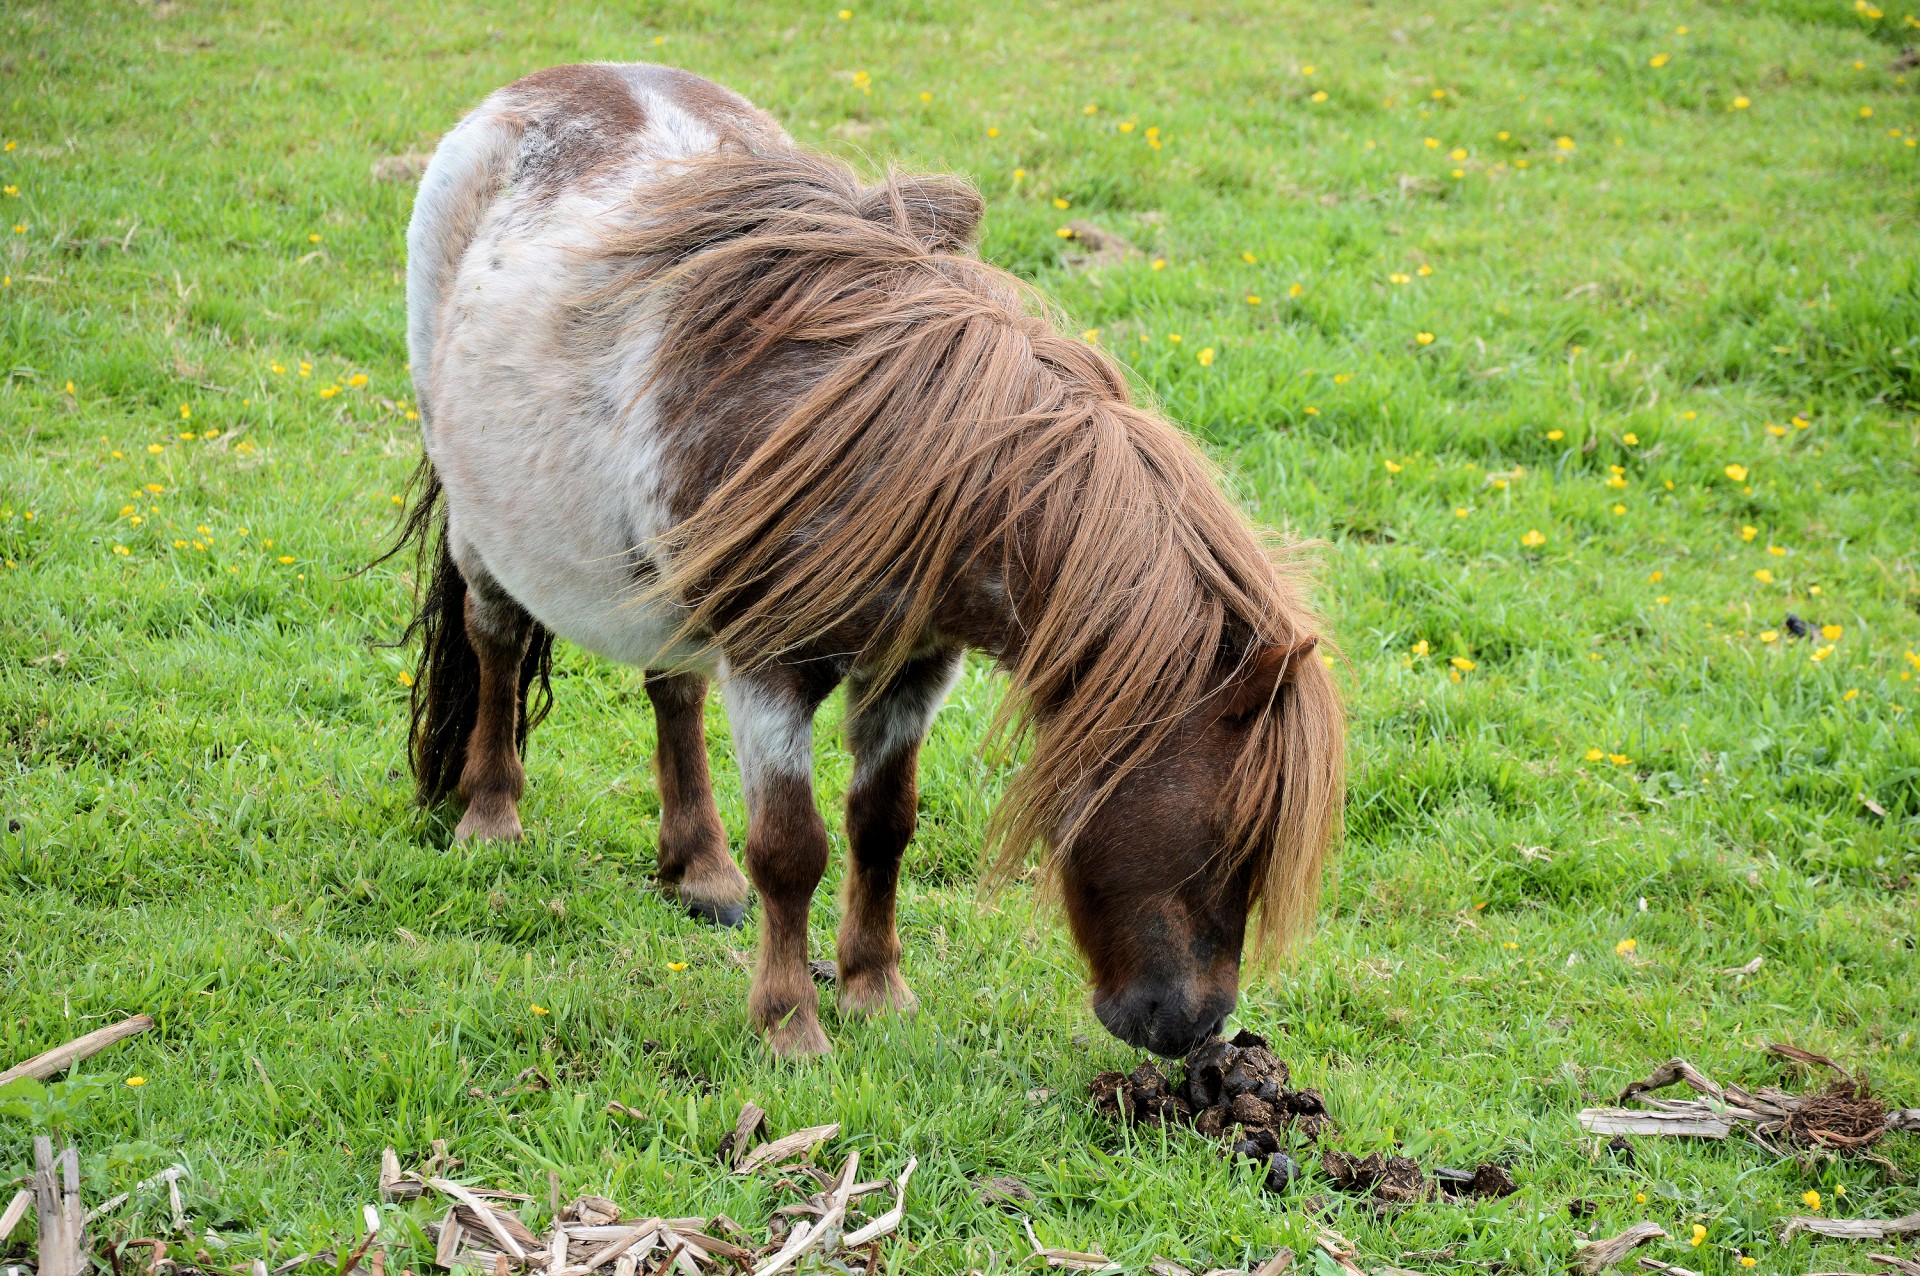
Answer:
(446, 681)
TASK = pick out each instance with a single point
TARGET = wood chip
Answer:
(634, 1236)
(1854, 1229)
(16, 1210)
(1599, 1255)
(488, 1217)
(786, 1148)
(1071, 1260)
(1701, 1123)
(1807, 1059)
(1280, 1262)
(60, 1058)
(1672, 1269)
(1341, 1250)
(734, 1145)
(1902, 1266)
(395, 1186)
(448, 1248)
(886, 1223)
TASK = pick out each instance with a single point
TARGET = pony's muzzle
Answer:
(1164, 1018)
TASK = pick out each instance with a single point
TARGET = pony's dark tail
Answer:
(446, 681)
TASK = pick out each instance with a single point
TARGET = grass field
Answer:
(1588, 336)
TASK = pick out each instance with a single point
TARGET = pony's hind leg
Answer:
(884, 731)
(492, 779)
(693, 860)
(772, 712)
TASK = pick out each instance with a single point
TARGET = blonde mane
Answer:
(887, 415)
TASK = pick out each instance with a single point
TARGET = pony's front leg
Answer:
(771, 712)
(884, 730)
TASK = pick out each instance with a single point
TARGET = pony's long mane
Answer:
(942, 421)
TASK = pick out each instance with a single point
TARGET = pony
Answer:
(698, 400)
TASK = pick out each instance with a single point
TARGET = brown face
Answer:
(1152, 899)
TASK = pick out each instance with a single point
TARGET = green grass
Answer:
(206, 814)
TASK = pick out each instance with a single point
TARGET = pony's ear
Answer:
(1256, 683)
(941, 212)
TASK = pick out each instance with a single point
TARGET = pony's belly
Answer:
(556, 541)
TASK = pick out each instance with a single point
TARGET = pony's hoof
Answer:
(799, 1038)
(488, 822)
(726, 914)
(876, 993)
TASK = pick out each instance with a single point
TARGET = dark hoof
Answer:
(726, 916)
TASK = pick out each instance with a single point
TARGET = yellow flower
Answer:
(1159, 263)
(1394, 467)
(357, 380)
(327, 392)
(1252, 300)
(993, 132)
(155, 487)
(1457, 153)
(313, 238)
(1777, 551)
(1639, 1198)
(1619, 509)
(1738, 473)
(406, 679)
(1764, 576)
(1866, 112)
(136, 1082)
(1554, 436)
(1091, 336)
(1830, 632)
(1769, 635)
(676, 965)
(1424, 269)
(1630, 439)
(1298, 290)
(1065, 232)
(1433, 143)
(1510, 944)
(1462, 664)
(1019, 173)
(1421, 648)
(1062, 203)
(1812, 1198)
(1657, 577)
(1741, 103)
(1534, 538)
(1821, 653)
(122, 550)
(1249, 258)
(539, 1009)
(1126, 126)
(1749, 532)
(1853, 693)
(1424, 338)
(846, 15)
(286, 558)
(1206, 357)
(1594, 755)
(1397, 278)
(1658, 60)
(1777, 431)
(1748, 1260)
(1319, 95)
(1174, 337)
(155, 447)
(1306, 70)
(1460, 511)
(1624, 947)
(1618, 759)
(1564, 143)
